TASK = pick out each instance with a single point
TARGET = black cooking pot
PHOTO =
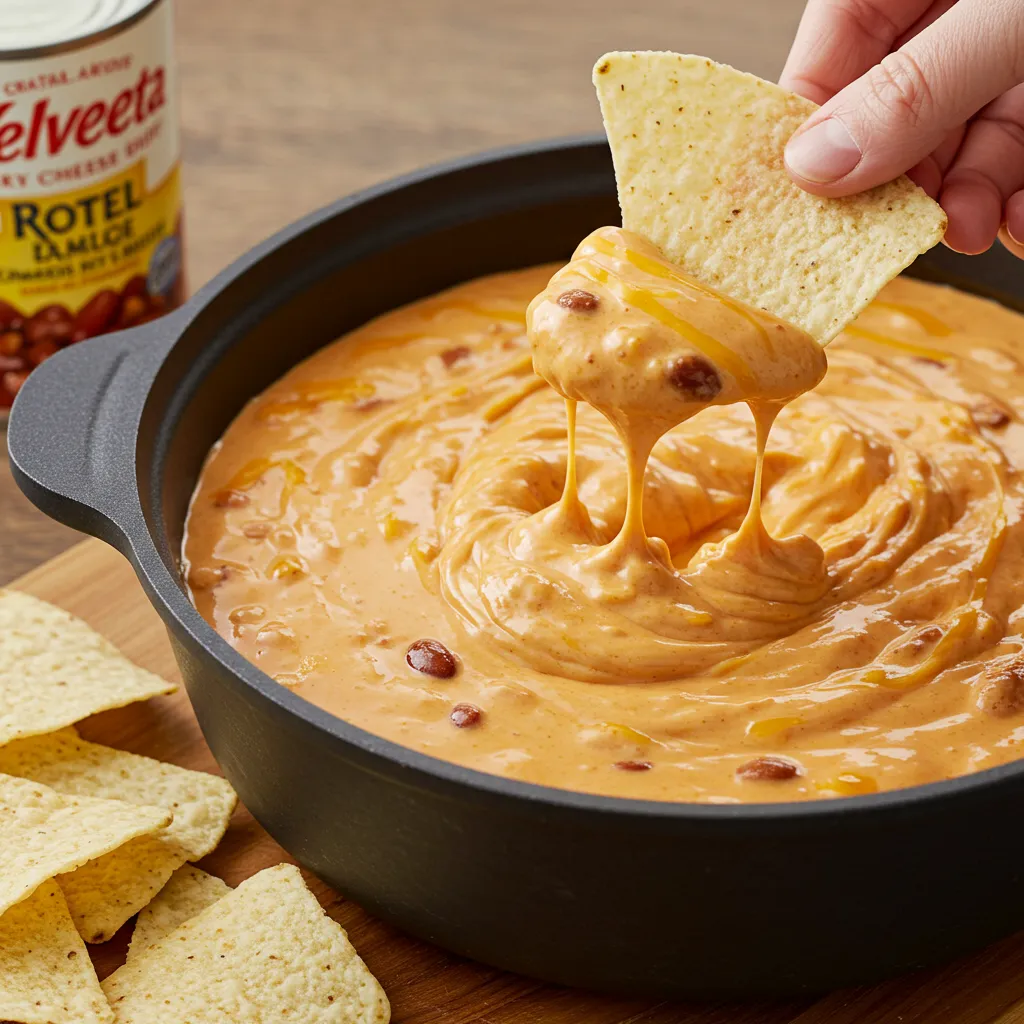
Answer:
(655, 898)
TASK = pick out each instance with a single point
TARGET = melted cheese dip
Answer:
(622, 596)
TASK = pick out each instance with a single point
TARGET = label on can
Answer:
(90, 198)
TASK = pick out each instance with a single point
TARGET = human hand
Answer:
(927, 87)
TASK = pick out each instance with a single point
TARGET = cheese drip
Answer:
(649, 348)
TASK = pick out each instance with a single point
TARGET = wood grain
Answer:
(287, 106)
(425, 984)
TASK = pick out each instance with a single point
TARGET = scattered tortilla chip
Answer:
(106, 892)
(202, 803)
(103, 894)
(264, 952)
(698, 158)
(55, 670)
(46, 976)
(43, 834)
(189, 892)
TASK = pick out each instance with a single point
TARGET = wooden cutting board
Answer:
(426, 985)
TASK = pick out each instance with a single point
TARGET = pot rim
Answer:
(169, 591)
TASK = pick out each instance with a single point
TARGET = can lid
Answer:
(30, 24)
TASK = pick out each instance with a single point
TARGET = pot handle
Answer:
(72, 429)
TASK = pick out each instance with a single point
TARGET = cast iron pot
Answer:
(605, 893)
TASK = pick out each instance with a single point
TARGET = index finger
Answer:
(838, 40)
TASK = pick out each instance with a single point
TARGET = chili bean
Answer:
(432, 658)
(450, 356)
(133, 309)
(12, 381)
(990, 413)
(11, 343)
(768, 768)
(465, 715)
(98, 314)
(51, 323)
(695, 377)
(634, 766)
(41, 351)
(578, 300)
(134, 286)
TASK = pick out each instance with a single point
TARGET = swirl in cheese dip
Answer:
(678, 562)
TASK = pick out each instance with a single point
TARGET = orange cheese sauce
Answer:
(640, 619)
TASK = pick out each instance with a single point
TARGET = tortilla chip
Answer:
(202, 803)
(189, 892)
(103, 894)
(698, 158)
(46, 976)
(264, 952)
(43, 834)
(55, 670)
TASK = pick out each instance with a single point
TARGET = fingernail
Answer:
(823, 153)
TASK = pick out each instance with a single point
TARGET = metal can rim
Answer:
(83, 41)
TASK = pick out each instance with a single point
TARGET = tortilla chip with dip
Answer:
(56, 670)
(103, 894)
(46, 976)
(698, 153)
(266, 951)
(189, 892)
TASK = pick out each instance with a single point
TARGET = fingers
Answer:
(932, 169)
(838, 41)
(904, 107)
(1015, 220)
(1011, 244)
(937, 9)
(987, 172)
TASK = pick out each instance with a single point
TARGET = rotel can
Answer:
(90, 201)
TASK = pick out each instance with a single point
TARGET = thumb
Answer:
(900, 110)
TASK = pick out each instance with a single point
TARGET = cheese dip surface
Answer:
(587, 577)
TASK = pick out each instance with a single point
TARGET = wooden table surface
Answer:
(288, 105)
